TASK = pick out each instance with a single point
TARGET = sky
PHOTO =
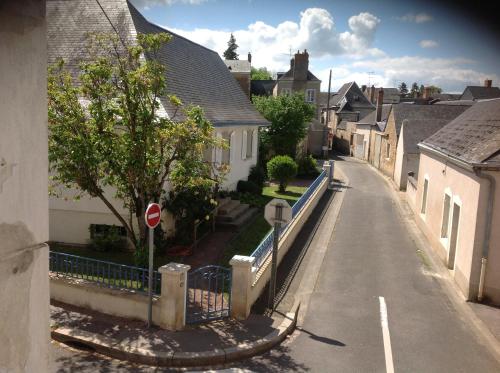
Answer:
(444, 43)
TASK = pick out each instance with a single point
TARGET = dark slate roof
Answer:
(352, 94)
(473, 137)
(238, 66)
(195, 74)
(435, 116)
(479, 93)
(456, 102)
(289, 75)
(447, 96)
(391, 95)
(262, 87)
(372, 117)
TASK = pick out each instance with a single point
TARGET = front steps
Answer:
(233, 214)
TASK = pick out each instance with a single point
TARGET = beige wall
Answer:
(364, 131)
(470, 192)
(387, 163)
(24, 286)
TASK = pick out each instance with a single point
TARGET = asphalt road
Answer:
(371, 255)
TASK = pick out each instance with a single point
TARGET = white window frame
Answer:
(425, 196)
(444, 238)
(455, 201)
(286, 91)
(311, 92)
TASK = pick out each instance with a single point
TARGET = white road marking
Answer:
(389, 365)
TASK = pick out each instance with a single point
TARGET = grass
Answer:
(291, 195)
(245, 242)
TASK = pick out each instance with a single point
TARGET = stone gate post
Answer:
(173, 296)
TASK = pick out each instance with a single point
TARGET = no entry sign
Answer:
(153, 215)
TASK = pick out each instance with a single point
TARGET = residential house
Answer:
(195, 74)
(24, 221)
(408, 124)
(241, 70)
(299, 79)
(480, 92)
(391, 95)
(349, 104)
(456, 198)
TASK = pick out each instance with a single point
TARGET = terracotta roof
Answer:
(195, 74)
(473, 137)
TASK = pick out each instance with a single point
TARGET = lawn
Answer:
(246, 241)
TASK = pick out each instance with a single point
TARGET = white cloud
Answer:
(417, 18)
(149, 3)
(271, 45)
(451, 74)
(428, 44)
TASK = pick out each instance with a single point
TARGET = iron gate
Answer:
(208, 294)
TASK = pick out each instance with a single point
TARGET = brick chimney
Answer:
(380, 102)
(363, 88)
(372, 94)
(427, 93)
(487, 83)
(249, 57)
(301, 65)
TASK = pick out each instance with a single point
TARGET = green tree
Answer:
(282, 168)
(415, 91)
(434, 89)
(260, 74)
(289, 115)
(106, 131)
(230, 52)
(403, 89)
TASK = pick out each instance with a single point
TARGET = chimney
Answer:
(372, 94)
(380, 101)
(487, 83)
(301, 65)
(363, 88)
(427, 93)
(292, 63)
(249, 57)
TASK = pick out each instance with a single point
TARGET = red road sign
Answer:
(153, 215)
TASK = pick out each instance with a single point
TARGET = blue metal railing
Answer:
(265, 246)
(108, 274)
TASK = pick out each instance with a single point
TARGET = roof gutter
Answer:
(487, 232)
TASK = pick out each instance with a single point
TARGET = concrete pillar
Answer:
(241, 285)
(173, 296)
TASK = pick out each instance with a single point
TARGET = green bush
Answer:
(257, 175)
(307, 168)
(283, 169)
(106, 238)
(248, 187)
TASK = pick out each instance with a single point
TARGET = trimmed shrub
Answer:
(257, 175)
(283, 169)
(248, 187)
(307, 168)
(107, 237)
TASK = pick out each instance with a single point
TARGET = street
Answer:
(376, 304)
(371, 261)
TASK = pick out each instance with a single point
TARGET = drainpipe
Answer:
(487, 233)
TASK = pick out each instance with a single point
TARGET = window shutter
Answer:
(244, 145)
(250, 144)
(218, 151)
(231, 147)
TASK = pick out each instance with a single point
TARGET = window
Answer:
(388, 150)
(424, 196)
(446, 216)
(249, 144)
(310, 95)
(286, 91)
(226, 153)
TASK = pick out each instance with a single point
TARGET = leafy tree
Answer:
(282, 168)
(260, 74)
(434, 89)
(421, 90)
(414, 90)
(289, 115)
(106, 131)
(403, 89)
(230, 52)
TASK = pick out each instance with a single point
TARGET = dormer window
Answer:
(310, 95)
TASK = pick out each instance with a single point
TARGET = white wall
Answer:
(24, 283)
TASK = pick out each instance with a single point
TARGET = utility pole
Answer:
(326, 129)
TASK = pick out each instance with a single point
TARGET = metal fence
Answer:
(265, 246)
(108, 274)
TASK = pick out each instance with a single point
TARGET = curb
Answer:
(123, 351)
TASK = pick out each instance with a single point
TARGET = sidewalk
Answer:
(211, 344)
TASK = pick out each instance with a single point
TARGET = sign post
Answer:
(277, 212)
(152, 218)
